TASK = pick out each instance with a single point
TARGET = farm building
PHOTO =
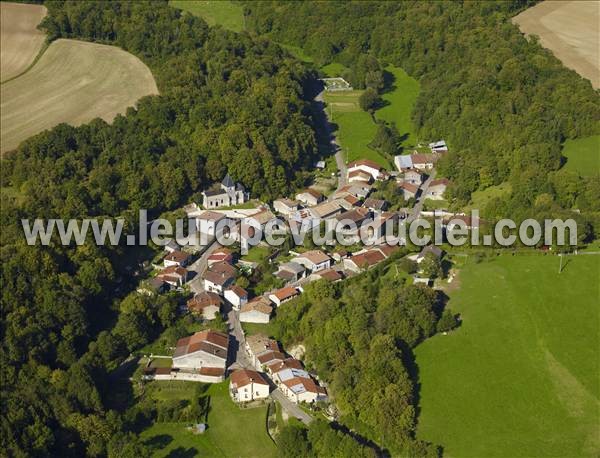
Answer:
(258, 310)
(436, 189)
(309, 197)
(203, 350)
(206, 304)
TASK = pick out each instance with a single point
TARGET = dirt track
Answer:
(72, 82)
(571, 30)
(20, 41)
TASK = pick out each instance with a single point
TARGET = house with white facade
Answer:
(313, 260)
(206, 304)
(302, 389)
(202, 350)
(173, 275)
(376, 171)
(176, 258)
(310, 197)
(236, 296)
(247, 385)
(218, 277)
(285, 206)
(257, 310)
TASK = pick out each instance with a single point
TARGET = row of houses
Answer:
(286, 372)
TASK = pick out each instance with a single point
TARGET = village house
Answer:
(309, 197)
(403, 162)
(360, 190)
(347, 201)
(423, 161)
(359, 175)
(220, 255)
(257, 310)
(219, 277)
(313, 260)
(270, 357)
(301, 389)
(285, 206)
(257, 345)
(288, 363)
(206, 304)
(176, 258)
(436, 189)
(236, 296)
(173, 275)
(282, 372)
(414, 176)
(246, 385)
(229, 194)
(290, 272)
(375, 205)
(408, 190)
(325, 210)
(376, 171)
(203, 353)
(207, 221)
(284, 294)
(363, 260)
(331, 275)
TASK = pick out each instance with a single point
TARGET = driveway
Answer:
(291, 408)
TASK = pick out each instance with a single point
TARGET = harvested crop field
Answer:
(73, 82)
(571, 30)
(20, 40)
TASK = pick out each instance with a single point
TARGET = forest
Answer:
(503, 103)
(227, 102)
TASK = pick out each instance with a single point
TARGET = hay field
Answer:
(73, 82)
(20, 41)
(571, 30)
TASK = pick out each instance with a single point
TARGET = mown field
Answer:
(228, 14)
(583, 155)
(400, 100)
(519, 378)
(101, 81)
(20, 40)
(355, 127)
(232, 432)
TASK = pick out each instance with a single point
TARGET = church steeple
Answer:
(227, 183)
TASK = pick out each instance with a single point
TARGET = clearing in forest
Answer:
(520, 376)
(583, 155)
(571, 30)
(20, 40)
(225, 13)
(72, 82)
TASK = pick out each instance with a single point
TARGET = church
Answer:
(229, 194)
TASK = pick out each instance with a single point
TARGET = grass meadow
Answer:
(519, 378)
(227, 14)
(583, 155)
(231, 432)
(400, 102)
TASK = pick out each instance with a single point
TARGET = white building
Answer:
(309, 197)
(376, 171)
(313, 260)
(258, 310)
(229, 194)
(285, 206)
(205, 349)
(236, 296)
(247, 385)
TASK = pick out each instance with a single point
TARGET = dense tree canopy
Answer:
(504, 104)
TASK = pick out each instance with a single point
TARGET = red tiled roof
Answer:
(239, 291)
(314, 256)
(271, 356)
(285, 293)
(330, 275)
(410, 187)
(243, 377)
(202, 300)
(212, 371)
(366, 162)
(177, 256)
(441, 181)
(308, 384)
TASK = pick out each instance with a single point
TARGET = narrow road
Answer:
(200, 265)
(416, 210)
(291, 408)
